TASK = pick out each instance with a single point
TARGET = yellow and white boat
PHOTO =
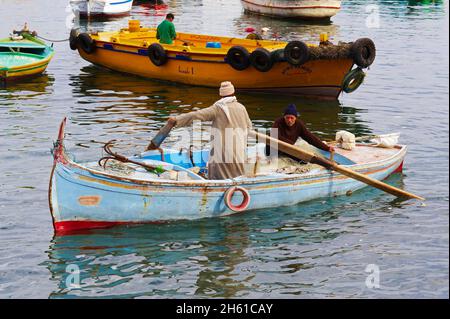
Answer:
(322, 70)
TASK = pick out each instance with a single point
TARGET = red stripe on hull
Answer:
(68, 227)
(399, 169)
(71, 226)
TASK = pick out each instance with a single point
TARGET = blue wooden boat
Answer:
(86, 195)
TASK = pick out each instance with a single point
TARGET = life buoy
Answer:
(86, 43)
(261, 59)
(157, 54)
(353, 80)
(363, 52)
(296, 52)
(229, 195)
(238, 57)
(73, 39)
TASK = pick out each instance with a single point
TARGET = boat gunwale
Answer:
(323, 173)
(172, 48)
(270, 45)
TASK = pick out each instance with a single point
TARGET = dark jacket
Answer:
(290, 134)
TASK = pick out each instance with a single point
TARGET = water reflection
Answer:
(399, 7)
(417, 7)
(190, 258)
(104, 96)
(286, 29)
(27, 89)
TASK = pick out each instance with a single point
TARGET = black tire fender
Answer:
(73, 39)
(86, 43)
(353, 80)
(157, 54)
(363, 51)
(278, 55)
(261, 59)
(238, 57)
(296, 52)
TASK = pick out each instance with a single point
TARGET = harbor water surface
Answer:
(326, 248)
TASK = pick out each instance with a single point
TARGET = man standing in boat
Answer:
(229, 131)
(165, 32)
(290, 128)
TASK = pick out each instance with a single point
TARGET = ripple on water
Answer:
(315, 249)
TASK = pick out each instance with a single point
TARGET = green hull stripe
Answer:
(28, 69)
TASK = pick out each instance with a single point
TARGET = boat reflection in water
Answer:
(425, 6)
(126, 104)
(24, 90)
(268, 28)
(400, 8)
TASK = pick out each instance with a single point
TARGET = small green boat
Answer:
(22, 55)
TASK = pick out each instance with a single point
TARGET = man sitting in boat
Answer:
(165, 32)
(229, 131)
(290, 128)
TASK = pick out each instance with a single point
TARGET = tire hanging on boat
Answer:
(238, 57)
(229, 195)
(278, 55)
(353, 80)
(86, 43)
(157, 54)
(296, 52)
(261, 59)
(73, 39)
(363, 52)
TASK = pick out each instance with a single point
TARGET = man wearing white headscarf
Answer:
(229, 131)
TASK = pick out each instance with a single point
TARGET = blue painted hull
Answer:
(81, 197)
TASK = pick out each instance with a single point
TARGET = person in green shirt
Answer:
(165, 32)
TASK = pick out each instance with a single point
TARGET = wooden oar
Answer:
(311, 158)
(160, 137)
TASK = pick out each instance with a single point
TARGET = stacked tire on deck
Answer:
(82, 41)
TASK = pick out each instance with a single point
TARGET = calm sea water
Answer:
(317, 249)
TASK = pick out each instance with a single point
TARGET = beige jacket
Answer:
(229, 130)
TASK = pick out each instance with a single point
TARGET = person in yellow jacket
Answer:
(229, 131)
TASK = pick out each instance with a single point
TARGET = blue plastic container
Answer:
(215, 45)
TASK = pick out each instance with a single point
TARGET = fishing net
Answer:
(329, 51)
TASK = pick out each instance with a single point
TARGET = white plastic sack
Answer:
(346, 139)
(386, 140)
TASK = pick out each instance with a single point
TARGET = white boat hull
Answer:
(101, 7)
(305, 9)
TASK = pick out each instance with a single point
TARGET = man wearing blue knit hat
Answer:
(290, 128)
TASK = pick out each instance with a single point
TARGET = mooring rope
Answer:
(52, 40)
